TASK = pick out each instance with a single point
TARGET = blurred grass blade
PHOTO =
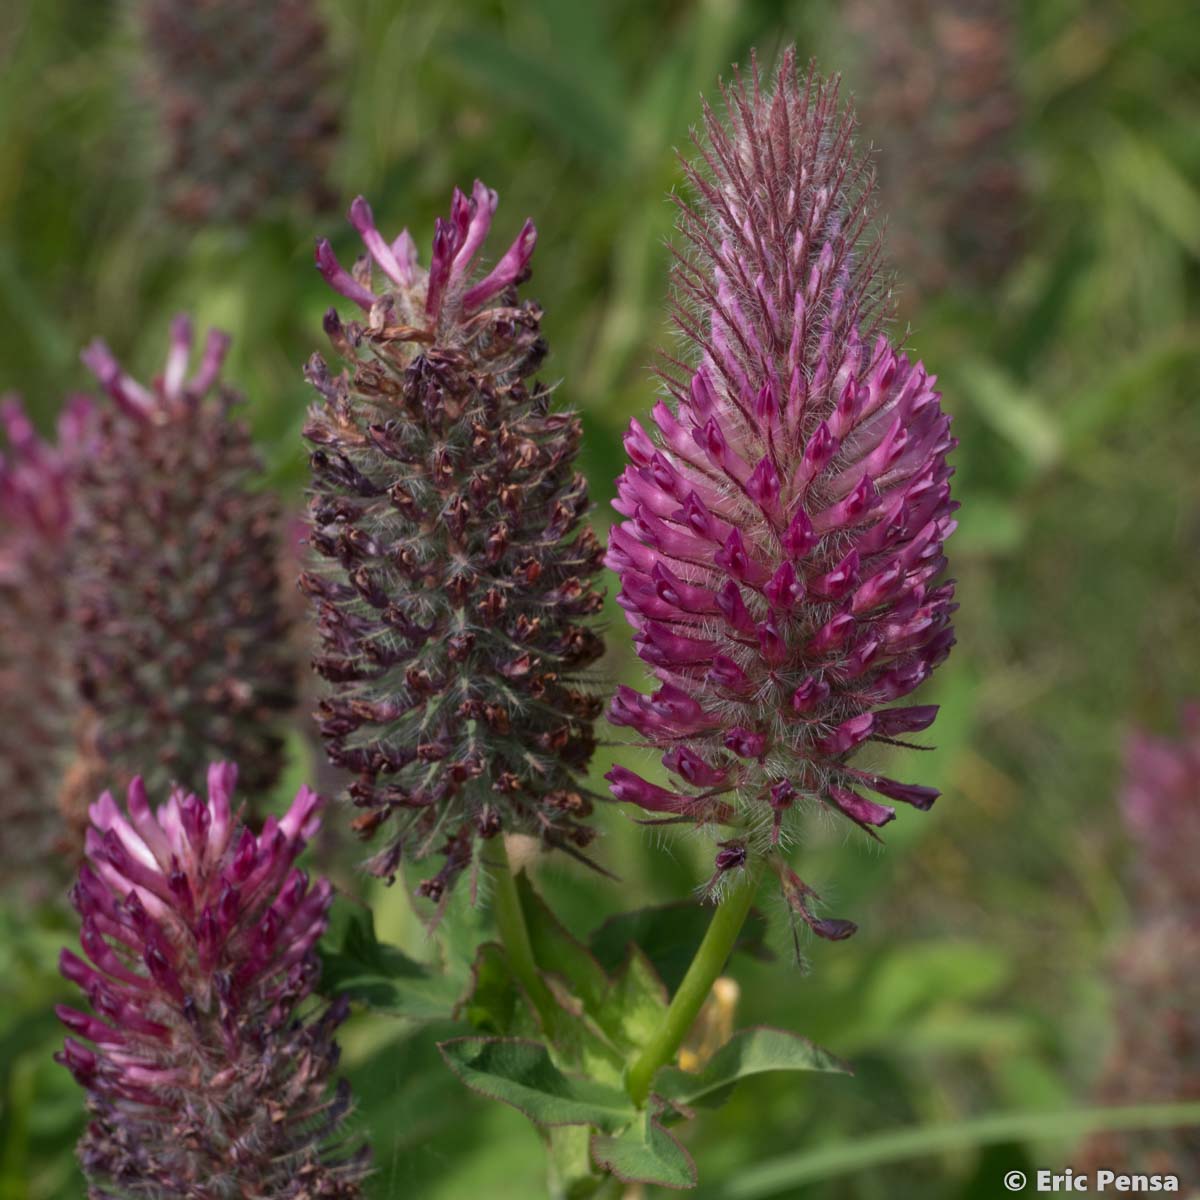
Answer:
(1157, 371)
(584, 47)
(20, 305)
(530, 83)
(1164, 193)
(1016, 415)
(859, 1154)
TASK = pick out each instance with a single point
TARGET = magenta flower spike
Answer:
(456, 587)
(782, 543)
(205, 1075)
(36, 478)
(38, 509)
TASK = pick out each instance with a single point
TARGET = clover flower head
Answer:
(456, 587)
(781, 550)
(207, 1074)
(1160, 801)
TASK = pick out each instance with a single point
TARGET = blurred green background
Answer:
(978, 981)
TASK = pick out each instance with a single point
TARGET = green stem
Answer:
(611, 1188)
(514, 934)
(709, 962)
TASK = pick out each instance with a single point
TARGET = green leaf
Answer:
(622, 1011)
(668, 935)
(553, 945)
(581, 1043)
(492, 1005)
(637, 1003)
(749, 1052)
(520, 1073)
(382, 977)
(645, 1153)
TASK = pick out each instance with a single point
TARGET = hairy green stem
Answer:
(709, 962)
(514, 935)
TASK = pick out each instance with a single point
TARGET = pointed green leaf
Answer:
(495, 1006)
(669, 935)
(382, 977)
(749, 1052)
(492, 1003)
(636, 1004)
(520, 1073)
(555, 948)
(645, 1153)
(620, 1011)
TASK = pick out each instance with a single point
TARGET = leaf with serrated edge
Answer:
(749, 1052)
(384, 978)
(520, 1073)
(494, 1007)
(646, 1153)
(637, 1003)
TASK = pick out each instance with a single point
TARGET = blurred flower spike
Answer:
(1160, 801)
(38, 508)
(182, 650)
(246, 94)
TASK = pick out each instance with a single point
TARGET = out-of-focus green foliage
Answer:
(977, 982)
